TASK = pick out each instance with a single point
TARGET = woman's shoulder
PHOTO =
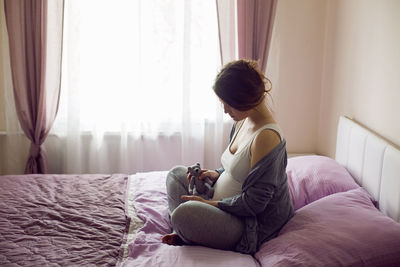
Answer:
(266, 139)
(264, 142)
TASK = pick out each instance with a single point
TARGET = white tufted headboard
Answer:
(373, 162)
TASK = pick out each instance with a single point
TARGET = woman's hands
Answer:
(204, 173)
(197, 198)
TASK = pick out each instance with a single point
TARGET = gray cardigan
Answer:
(264, 203)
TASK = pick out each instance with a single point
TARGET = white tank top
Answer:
(237, 166)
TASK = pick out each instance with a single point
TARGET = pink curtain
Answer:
(255, 23)
(35, 37)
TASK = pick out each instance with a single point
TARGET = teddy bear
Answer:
(199, 187)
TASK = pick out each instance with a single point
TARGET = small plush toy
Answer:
(199, 187)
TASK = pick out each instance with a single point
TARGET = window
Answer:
(139, 66)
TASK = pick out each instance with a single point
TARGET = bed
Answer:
(347, 213)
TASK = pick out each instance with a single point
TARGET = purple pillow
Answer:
(313, 177)
(343, 229)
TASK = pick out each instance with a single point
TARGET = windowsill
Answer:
(11, 133)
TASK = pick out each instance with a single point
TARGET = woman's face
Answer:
(235, 114)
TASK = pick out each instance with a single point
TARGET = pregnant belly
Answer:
(226, 186)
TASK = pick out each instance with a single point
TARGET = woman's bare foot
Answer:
(172, 240)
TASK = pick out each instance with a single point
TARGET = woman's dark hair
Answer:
(240, 84)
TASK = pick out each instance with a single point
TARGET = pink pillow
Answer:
(313, 177)
(343, 229)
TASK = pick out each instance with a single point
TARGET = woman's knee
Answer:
(177, 178)
(177, 185)
(177, 173)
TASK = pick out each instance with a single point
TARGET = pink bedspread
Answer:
(147, 250)
(62, 220)
(341, 229)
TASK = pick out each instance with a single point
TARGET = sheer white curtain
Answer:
(136, 87)
(228, 36)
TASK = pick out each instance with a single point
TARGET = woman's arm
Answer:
(197, 198)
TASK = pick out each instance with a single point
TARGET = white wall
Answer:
(332, 58)
(361, 77)
(295, 69)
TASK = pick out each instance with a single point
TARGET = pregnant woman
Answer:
(251, 202)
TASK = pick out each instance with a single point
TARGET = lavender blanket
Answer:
(62, 220)
(146, 249)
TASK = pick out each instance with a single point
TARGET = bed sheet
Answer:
(145, 247)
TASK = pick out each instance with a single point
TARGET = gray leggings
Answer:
(199, 223)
